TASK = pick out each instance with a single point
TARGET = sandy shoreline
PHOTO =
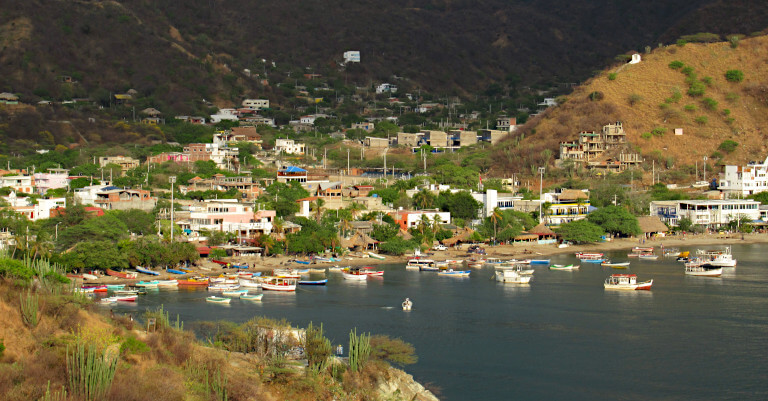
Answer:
(527, 250)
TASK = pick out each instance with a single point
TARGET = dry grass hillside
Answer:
(652, 97)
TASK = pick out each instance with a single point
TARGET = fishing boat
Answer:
(278, 284)
(249, 283)
(108, 300)
(564, 267)
(376, 256)
(539, 261)
(591, 260)
(234, 293)
(220, 262)
(130, 292)
(122, 274)
(113, 287)
(174, 271)
(520, 268)
(494, 261)
(146, 271)
(720, 258)
(289, 273)
(454, 273)
(251, 297)
(615, 265)
(586, 255)
(93, 288)
(194, 281)
(147, 284)
(313, 282)
(87, 276)
(418, 263)
(626, 282)
(317, 271)
(512, 276)
(167, 283)
(218, 300)
(224, 280)
(642, 249)
(705, 270)
(223, 287)
(354, 274)
(475, 262)
(407, 304)
(302, 262)
(428, 268)
(647, 256)
(322, 259)
(126, 298)
(454, 261)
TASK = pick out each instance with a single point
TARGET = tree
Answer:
(581, 231)
(395, 350)
(318, 208)
(615, 220)
(424, 199)
(684, 224)
(95, 254)
(495, 217)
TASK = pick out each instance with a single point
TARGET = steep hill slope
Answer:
(652, 99)
(176, 51)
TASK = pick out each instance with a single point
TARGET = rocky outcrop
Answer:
(399, 385)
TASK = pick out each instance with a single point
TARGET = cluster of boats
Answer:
(709, 263)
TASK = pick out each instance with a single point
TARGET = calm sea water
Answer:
(561, 337)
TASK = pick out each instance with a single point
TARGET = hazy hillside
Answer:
(174, 52)
(652, 99)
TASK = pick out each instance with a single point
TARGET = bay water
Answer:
(560, 337)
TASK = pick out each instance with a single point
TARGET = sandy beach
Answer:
(205, 267)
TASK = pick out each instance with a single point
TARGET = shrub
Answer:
(731, 97)
(634, 99)
(701, 37)
(734, 41)
(701, 120)
(728, 146)
(393, 350)
(131, 345)
(716, 155)
(726, 112)
(734, 75)
(707, 81)
(596, 96)
(658, 131)
(2, 348)
(689, 107)
(677, 64)
(687, 70)
(612, 76)
(681, 42)
(646, 135)
(709, 103)
(697, 89)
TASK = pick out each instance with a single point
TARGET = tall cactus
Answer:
(90, 372)
(318, 349)
(359, 350)
(29, 309)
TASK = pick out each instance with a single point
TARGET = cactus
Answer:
(90, 372)
(359, 350)
(29, 309)
(318, 349)
(60, 395)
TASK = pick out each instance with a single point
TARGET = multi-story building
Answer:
(591, 145)
(565, 206)
(125, 162)
(744, 180)
(175, 157)
(492, 199)
(225, 157)
(712, 213)
(291, 173)
(228, 215)
(55, 178)
(412, 218)
(18, 183)
(256, 104)
(352, 56)
(238, 134)
(289, 146)
(125, 199)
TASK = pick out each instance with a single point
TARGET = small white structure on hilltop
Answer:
(635, 58)
(386, 88)
(352, 56)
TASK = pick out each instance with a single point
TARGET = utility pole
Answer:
(705, 168)
(541, 196)
(347, 161)
(173, 180)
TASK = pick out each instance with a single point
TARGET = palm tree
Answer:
(424, 224)
(436, 222)
(495, 217)
(344, 226)
(423, 199)
(355, 208)
(319, 209)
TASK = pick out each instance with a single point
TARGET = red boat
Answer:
(70, 275)
(221, 262)
(369, 271)
(121, 274)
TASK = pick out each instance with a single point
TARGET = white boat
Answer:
(587, 255)
(376, 256)
(354, 275)
(618, 265)
(454, 273)
(147, 284)
(278, 284)
(223, 287)
(720, 258)
(564, 267)
(407, 304)
(703, 270)
(520, 268)
(337, 269)
(417, 263)
(234, 293)
(252, 297)
(218, 300)
(512, 276)
(626, 282)
(167, 283)
(291, 273)
(494, 261)
(249, 283)
(647, 256)
(87, 276)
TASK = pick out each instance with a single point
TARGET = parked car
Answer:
(439, 247)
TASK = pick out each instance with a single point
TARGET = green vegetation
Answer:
(581, 231)
(612, 76)
(90, 370)
(734, 75)
(359, 350)
(29, 308)
(728, 146)
(634, 98)
(709, 103)
(701, 120)
(616, 220)
(689, 107)
(676, 65)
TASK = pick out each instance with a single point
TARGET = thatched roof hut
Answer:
(359, 240)
(650, 225)
(462, 235)
(542, 231)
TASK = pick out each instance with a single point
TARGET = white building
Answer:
(709, 212)
(289, 146)
(40, 210)
(352, 56)
(738, 181)
(386, 88)
(492, 199)
(87, 195)
(224, 114)
(256, 104)
(228, 215)
(19, 183)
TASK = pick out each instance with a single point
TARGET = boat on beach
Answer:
(174, 271)
(626, 282)
(146, 271)
(376, 256)
(128, 275)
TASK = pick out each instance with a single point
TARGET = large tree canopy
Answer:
(615, 220)
(581, 231)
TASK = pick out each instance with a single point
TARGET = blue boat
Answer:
(303, 262)
(314, 282)
(174, 271)
(146, 271)
(539, 261)
(592, 260)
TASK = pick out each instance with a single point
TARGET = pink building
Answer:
(228, 215)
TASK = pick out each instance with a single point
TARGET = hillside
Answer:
(653, 97)
(175, 54)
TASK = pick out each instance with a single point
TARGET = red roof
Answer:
(203, 250)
